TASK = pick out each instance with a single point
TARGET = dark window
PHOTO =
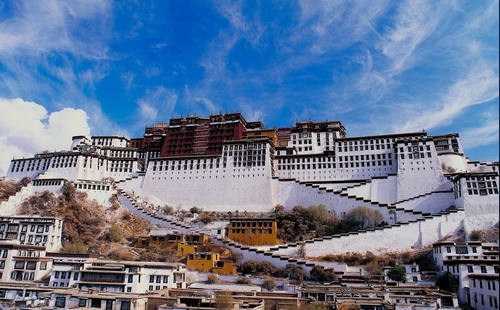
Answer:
(125, 305)
(82, 303)
(109, 305)
(61, 302)
(30, 265)
(95, 303)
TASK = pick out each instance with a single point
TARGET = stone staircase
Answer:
(151, 216)
(398, 205)
(353, 198)
(290, 248)
(422, 196)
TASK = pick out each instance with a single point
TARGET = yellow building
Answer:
(209, 262)
(253, 231)
(185, 249)
(170, 239)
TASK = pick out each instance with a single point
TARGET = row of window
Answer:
(121, 166)
(415, 155)
(152, 278)
(292, 160)
(47, 182)
(251, 224)
(366, 142)
(490, 284)
(458, 250)
(492, 299)
(37, 238)
(24, 228)
(106, 141)
(253, 231)
(364, 148)
(22, 276)
(28, 265)
(252, 146)
(122, 153)
(92, 186)
(244, 153)
(483, 192)
(339, 165)
(414, 148)
(65, 275)
(94, 303)
(188, 167)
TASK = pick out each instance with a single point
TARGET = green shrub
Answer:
(447, 282)
(74, 248)
(269, 284)
(321, 274)
(115, 233)
(243, 280)
(397, 273)
(212, 279)
(195, 210)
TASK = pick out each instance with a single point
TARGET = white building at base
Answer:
(476, 266)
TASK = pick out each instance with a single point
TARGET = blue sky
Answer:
(378, 66)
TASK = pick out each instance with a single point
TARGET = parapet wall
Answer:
(430, 202)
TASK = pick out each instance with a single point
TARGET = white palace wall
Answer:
(481, 211)
(384, 189)
(361, 190)
(213, 189)
(417, 178)
(433, 202)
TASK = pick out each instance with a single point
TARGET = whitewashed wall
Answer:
(384, 189)
(481, 211)
(212, 189)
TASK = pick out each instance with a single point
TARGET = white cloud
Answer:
(156, 104)
(414, 22)
(483, 135)
(207, 103)
(332, 24)
(42, 42)
(26, 128)
(147, 111)
(45, 25)
(479, 86)
(128, 79)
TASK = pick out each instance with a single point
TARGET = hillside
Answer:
(87, 224)
(9, 188)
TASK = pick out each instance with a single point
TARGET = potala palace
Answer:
(424, 186)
